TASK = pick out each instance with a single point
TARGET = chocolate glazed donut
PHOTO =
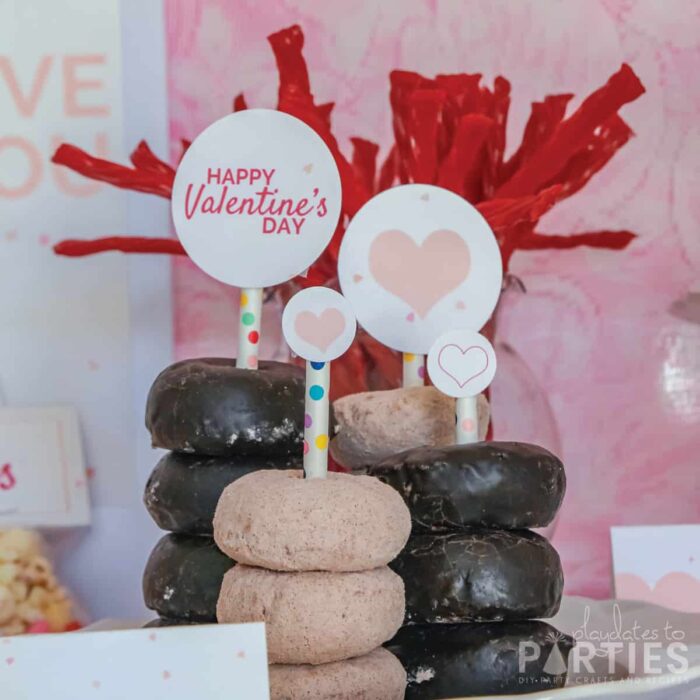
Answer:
(480, 575)
(210, 407)
(502, 485)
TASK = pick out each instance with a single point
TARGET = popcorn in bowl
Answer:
(31, 599)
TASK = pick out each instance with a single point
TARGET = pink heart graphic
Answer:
(320, 330)
(420, 275)
(676, 590)
(9, 660)
(463, 365)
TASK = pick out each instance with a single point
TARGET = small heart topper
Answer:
(461, 363)
(318, 324)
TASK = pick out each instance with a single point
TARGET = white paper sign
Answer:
(416, 261)
(462, 363)
(208, 662)
(319, 324)
(658, 564)
(43, 482)
(256, 198)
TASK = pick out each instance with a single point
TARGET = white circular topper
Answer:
(318, 324)
(417, 260)
(256, 198)
(462, 363)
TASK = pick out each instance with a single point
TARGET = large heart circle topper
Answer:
(461, 363)
(418, 260)
(318, 324)
(256, 198)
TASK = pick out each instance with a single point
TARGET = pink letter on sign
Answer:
(34, 161)
(72, 84)
(26, 104)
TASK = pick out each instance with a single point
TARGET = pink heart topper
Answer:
(421, 275)
(320, 330)
(463, 365)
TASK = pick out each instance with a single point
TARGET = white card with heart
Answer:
(416, 261)
(462, 363)
(43, 482)
(256, 198)
(319, 324)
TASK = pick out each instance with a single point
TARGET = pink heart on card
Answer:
(421, 275)
(9, 660)
(463, 364)
(676, 590)
(320, 330)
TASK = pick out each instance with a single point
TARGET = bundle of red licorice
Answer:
(448, 131)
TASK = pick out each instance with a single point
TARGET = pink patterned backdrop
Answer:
(614, 336)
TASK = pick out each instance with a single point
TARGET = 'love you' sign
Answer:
(256, 198)
(417, 260)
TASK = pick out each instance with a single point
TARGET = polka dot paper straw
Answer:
(249, 328)
(318, 379)
(413, 369)
(467, 429)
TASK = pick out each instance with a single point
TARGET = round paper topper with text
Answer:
(417, 260)
(461, 363)
(318, 324)
(256, 198)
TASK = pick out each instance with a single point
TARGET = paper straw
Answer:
(249, 328)
(413, 369)
(318, 379)
(467, 429)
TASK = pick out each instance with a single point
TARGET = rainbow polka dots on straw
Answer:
(316, 419)
(249, 328)
(413, 369)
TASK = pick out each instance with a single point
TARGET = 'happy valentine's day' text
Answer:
(216, 196)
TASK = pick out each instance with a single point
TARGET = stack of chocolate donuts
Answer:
(477, 578)
(312, 559)
(220, 423)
